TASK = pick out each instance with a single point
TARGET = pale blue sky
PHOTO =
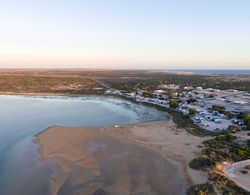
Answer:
(125, 33)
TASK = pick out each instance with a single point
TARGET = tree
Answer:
(228, 114)
(173, 104)
(145, 94)
(220, 109)
(170, 94)
(191, 100)
(240, 116)
(248, 125)
(126, 87)
(247, 120)
(192, 111)
(247, 117)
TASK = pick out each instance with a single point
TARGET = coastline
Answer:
(43, 94)
(66, 149)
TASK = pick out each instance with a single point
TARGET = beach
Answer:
(146, 158)
(34, 114)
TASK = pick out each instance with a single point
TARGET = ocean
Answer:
(214, 71)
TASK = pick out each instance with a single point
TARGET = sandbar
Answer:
(147, 158)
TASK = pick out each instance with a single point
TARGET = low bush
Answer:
(201, 163)
(225, 186)
(201, 189)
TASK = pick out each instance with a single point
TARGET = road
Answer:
(101, 83)
(233, 172)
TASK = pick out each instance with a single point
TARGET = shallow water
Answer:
(22, 117)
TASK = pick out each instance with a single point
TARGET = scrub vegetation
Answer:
(224, 147)
(48, 84)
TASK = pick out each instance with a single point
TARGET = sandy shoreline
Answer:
(45, 94)
(130, 159)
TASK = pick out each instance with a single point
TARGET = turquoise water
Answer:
(22, 117)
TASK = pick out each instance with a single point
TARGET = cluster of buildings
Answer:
(201, 100)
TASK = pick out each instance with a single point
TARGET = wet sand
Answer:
(148, 158)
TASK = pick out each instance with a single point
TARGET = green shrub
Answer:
(201, 189)
(218, 108)
(173, 104)
(192, 111)
(201, 163)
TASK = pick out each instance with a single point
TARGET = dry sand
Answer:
(164, 137)
(148, 158)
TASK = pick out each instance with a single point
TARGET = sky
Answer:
(125, 34)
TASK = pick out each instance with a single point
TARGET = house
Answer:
(188, 88)
(170, 86)
(240, 102)
(234, 128)
(159, 91)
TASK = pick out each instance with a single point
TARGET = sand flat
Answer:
(176, 144)
(148, 158)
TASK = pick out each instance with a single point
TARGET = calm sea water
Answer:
(214, 71)
(22, 117)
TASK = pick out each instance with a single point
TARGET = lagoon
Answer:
(22, 117)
